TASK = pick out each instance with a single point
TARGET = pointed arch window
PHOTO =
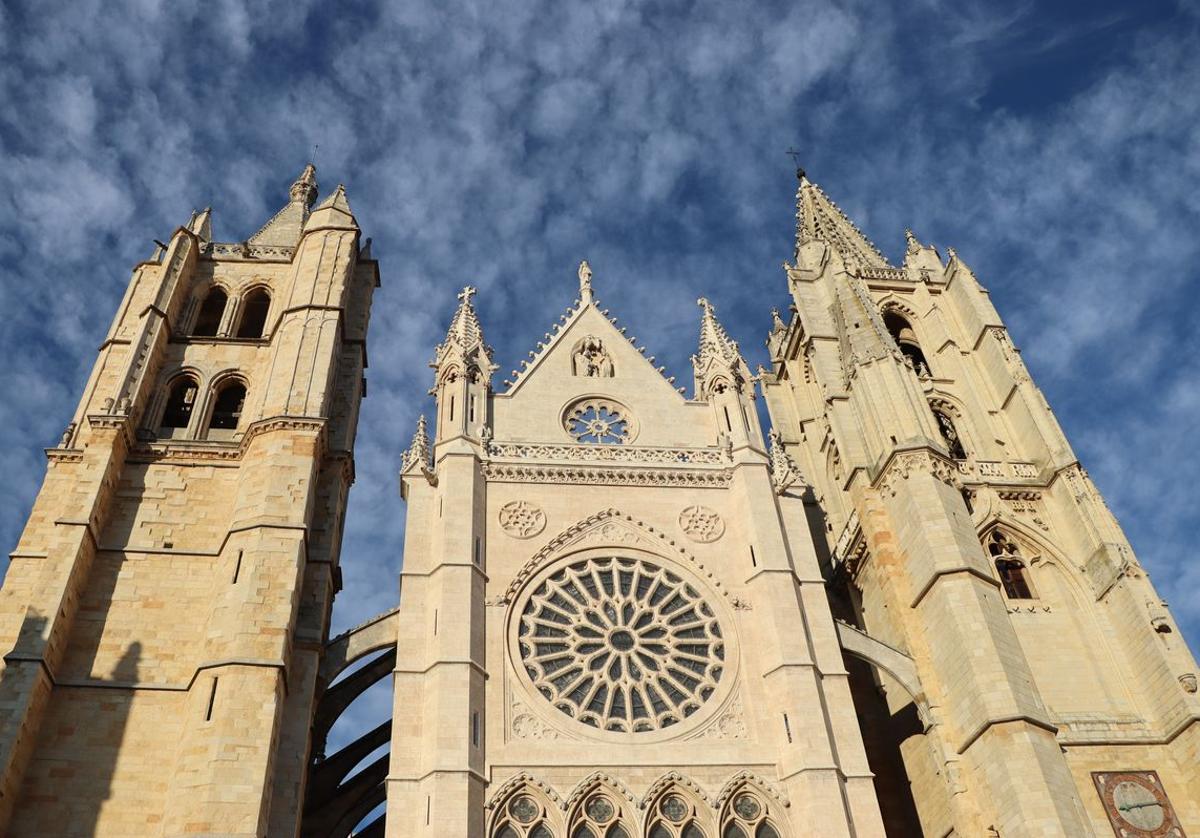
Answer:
(255, 306)
(177, 412)
(227, 410)
(1010, 566)
(748, 814)
(524, 816)
(675, 816)
(948, 432)
(212, 311)
(906, 339)
(599, 817)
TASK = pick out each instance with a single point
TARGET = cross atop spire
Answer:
(464, 338)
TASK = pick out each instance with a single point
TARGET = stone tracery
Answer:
(621, 645)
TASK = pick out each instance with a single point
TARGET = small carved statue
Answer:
(66, 437)
(591, 360)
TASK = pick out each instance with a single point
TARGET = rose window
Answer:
(621, 644)
(598, 422)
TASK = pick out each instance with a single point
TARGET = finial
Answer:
(912, 243)
(305, 187)
(585, 281)
(777, 320)
(467, 293)
(706, 305)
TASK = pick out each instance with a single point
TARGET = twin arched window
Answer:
(252, 319)
(224, 415)
(1010, 566)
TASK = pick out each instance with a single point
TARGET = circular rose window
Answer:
(621, 644)
(598, 421)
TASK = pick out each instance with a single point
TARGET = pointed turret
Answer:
(285, 227)
(464, 338)
(334, 211)
(820, 219)
(722, 378)
(719, 362)
(920, 260)
(463, 370)
(861, 330)
(418, 456)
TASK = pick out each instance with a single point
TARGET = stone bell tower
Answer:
(612, 621)
(1022, 676)
(166, 606)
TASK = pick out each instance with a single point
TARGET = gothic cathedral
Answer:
(624, 611)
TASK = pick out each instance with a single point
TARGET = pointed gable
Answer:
(588, 355)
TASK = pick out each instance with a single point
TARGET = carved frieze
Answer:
(584, 475)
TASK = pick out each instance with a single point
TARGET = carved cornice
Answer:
(244, 251)
(901, 464)
(203, 449)
(606, 453)
(584, 475)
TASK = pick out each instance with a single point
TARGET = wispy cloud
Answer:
(497, 144)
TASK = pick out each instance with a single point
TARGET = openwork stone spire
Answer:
(820, 219)
(464, 339)
(304, 190)
(418, 453)
(719, 358)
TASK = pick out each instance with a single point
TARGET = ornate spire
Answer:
(911, 243)
(418, 453)
(784, 473)
(719, 356)
(305, 188)
(585, 282)
(465, 337)
(820, 219)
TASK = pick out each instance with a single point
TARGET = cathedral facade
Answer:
(624, 610)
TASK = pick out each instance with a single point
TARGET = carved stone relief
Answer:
(522, 519)
(591, 359)
(699, 523)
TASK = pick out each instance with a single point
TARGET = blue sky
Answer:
(1055, 146)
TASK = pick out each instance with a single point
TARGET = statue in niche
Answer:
(591, 360)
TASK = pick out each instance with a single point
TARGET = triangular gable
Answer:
(588, 319)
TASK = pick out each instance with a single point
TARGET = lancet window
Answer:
(227, 409)
(747, 815)
(1010, 566)
(255, 306)
(906, 339)
(949, 433)
(212, 311)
